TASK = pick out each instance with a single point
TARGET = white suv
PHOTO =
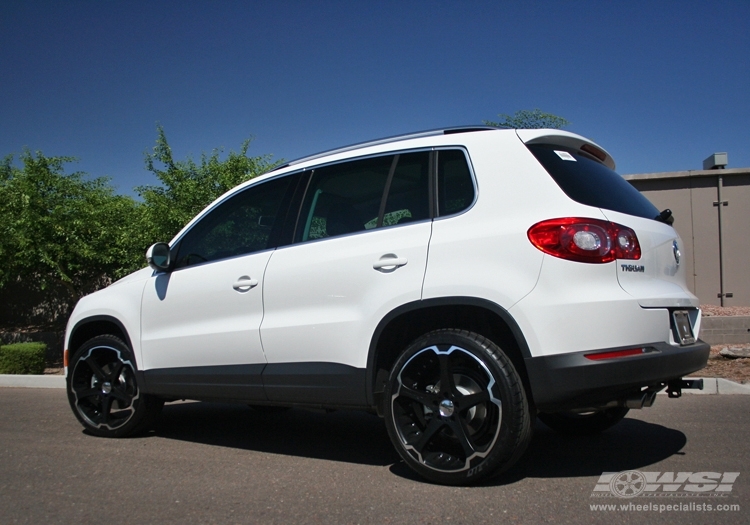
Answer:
(458, 282)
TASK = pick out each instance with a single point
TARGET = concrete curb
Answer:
(711, 385)
(32, 381)
(715, 385)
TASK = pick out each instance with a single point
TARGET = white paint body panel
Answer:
(576, 307)
(194, 316)
(121, 300)
(662, 283)
(484, 252)
(323, 299)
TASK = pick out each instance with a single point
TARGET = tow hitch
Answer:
(676, 386)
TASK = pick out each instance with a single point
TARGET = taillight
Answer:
(585, 240)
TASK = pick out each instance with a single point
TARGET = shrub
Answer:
(22, 358)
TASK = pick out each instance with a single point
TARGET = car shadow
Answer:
(344, 435)
(358, 437)
(630, 445)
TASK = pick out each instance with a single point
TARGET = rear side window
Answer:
(589, 182)
(365, 194)
(455, 187)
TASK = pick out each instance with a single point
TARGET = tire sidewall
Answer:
(139, 403)
(508, 388)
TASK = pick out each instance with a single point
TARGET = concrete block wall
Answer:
(693, 196)
(725, 330)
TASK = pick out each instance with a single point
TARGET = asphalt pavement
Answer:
(224, 463)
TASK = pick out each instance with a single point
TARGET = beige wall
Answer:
(691, 196)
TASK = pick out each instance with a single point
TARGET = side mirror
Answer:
(159, 257)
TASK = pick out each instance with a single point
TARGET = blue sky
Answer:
(660, 84)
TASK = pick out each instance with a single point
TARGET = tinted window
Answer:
(408, 191)
(365, 194)
(242, 224)
(589, 182)
(455, 187)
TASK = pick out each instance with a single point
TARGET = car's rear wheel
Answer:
(456, 409)
(103, 391)
(583, 423)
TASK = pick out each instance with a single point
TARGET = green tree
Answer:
(62, 230)
(529, 119)
(187, 187)
(66, 235)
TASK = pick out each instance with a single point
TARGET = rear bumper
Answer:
(567, 381)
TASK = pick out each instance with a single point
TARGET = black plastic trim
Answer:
(140, 379)
(305, 384)
(439, 301)
(99, 318)
(567, 381)
(314, 383)
(225, 382)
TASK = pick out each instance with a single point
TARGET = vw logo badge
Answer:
(676, 252)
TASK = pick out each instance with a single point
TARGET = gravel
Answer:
(720, 311)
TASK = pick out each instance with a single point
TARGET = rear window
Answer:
(589, 182)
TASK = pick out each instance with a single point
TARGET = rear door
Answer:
(360, 251)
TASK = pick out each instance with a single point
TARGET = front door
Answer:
(200, 322)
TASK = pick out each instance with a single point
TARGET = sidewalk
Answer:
(711, 385)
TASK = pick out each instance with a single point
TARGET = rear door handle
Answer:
(244, 283)
(389, 262)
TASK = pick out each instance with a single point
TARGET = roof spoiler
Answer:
(568, 140)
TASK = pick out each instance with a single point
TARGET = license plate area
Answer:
(684, 332)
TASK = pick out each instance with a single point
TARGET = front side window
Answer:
(365, 194)
(244, 223)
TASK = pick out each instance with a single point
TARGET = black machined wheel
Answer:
(456, 409)
(583, 423)
(103, 392)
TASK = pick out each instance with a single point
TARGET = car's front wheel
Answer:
(103, 391)
(456, 409)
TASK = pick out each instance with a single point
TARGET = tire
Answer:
(270, 409)
(456, 409)
(103, 390)
(582, 424)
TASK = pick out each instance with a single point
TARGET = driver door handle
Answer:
(245, 283)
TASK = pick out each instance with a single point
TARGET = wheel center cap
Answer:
(106, 387)
(446, 408)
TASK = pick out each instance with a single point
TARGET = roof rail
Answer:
(386, 140)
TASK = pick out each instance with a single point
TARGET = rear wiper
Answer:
(665, 217)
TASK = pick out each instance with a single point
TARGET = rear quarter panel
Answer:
(485, 252)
